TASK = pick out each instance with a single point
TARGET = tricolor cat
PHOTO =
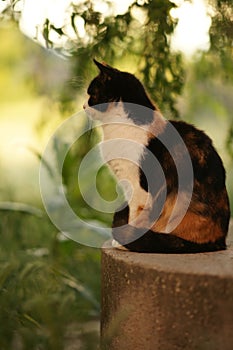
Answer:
(177, 202)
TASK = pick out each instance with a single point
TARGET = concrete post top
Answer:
(218, 264)
(167, 301)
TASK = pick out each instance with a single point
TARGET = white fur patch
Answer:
(123, 145)
(118, 126)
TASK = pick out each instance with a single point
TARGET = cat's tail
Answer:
(153, 242)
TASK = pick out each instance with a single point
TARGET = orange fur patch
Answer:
(193, 227)
(161, 223)
(198, 229)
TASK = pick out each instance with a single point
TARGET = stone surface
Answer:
(167, 302)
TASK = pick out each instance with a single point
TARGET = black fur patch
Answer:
(157, 242)
(153, 242)
(113, 85)
(208, 171)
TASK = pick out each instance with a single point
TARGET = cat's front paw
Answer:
(117, 245)
(140, 209)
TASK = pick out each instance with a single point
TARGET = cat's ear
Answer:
(105, 68)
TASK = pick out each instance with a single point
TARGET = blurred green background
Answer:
(50, 285)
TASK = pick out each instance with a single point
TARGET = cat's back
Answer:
(181, 140)
(190, 165)
(206, 162)
(193, 137)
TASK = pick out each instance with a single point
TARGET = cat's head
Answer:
(114, 90)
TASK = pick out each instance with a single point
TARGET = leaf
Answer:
(73, 283)
(30, 268)
(45, 33)
(32, 320)
(6, 270)
(42, 160)
(21, 207)
(57, 30)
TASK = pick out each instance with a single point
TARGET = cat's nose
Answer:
(84, 106)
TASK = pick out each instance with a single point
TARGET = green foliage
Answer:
(221, 34)
(162, 69)
(105, 183)
(47, 285)
(124, 36)
(142, 35)
(112, 37)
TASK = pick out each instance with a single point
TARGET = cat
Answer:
(178, 202)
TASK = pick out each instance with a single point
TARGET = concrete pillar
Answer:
(167, 302)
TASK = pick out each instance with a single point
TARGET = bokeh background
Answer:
(181, 50)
